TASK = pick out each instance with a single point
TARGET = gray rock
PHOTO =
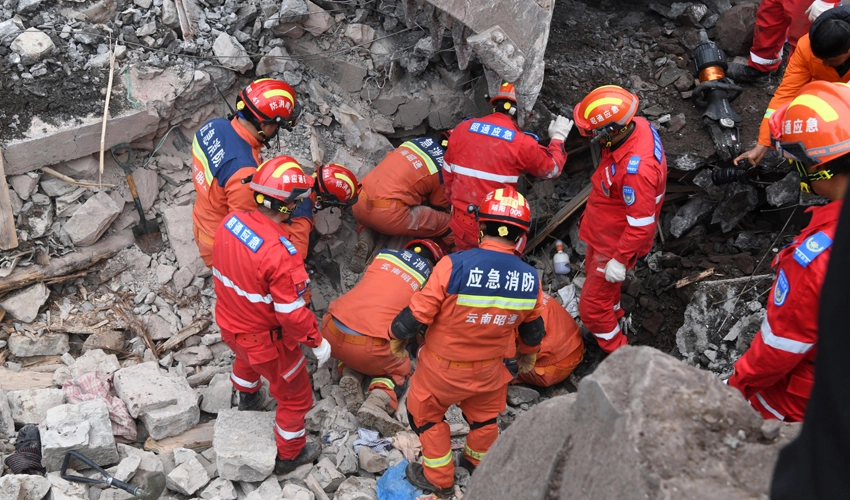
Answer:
(270, 488)
(164, 272)
(178, 224)
(23, 487)
(84, 427)
(126, 468)
(149, 463)
(147, 184)
(194, 356)
(292, 491)
(293, 11)
(740, 200)
(53, 186)
(785, 191)
(159, 328)
(32, 45)
(372, 461)
(357, 488)
(519, 394)
(187, 478)
(170, 17)
(498, 52)
(735, 29)
(360, 34)
(276, 61)
(703, 180)
(92, 219)
(7, 423)
(30, 406)
(61, 489)
(164, 402)
(218, 395)
(220, 488)
(690, 215)
(642, 425)
(244, 444)
(318, 21)
(9, 30)
(326, 474)
(231, 53)
(48, 344)
(24, 305)
(24, 184)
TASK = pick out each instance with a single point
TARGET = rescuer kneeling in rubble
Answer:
(472, 305)
(777, 371)
(260, 281)
(624, 204)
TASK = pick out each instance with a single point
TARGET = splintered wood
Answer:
(8, 235)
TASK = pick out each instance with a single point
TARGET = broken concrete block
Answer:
(519, 394)
(149, 463)
(48, 344)
(9, 30)
(159, 328)
(111, 341)
(270, 488)
(7, 423)
(30, 405)
(25, 184)
(360, 34)
(84, 427)
(147, 184)
(293, 11)
(741, 199)
(218, 395)
(194, 356)
(498, 52)
(87, 167)
(91, 220)
(690, 215)
(318, 21)
(244, 444)
(32, 45)
(276, 61)
(164, 402)
(327, 222)
(187, 478)
(326, 474)
(23, 487)
(292, 491)
(178, 224)
(231, 54)
(220, 488)
(90, 361)
(372, 461)
(735, 29)
(164, 272)
(785, 191)
(53, 186)
(61, 489)
(126, 468)
(24, 305)
(357, 488)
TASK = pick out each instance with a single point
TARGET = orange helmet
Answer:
(426, 247)
(269, 101)
(336, 186)
(504, 206)
(605, 109)
(280, 181)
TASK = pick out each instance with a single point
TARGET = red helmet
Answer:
(426, 246)
(280, 181)
(505, 205)
(506, 91)
(269, 101)
(605, 109)
(336, 186)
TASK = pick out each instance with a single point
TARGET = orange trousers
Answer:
(369, 356)
(551, 374)
(480, 388)
(599, 303)
(394, 218)
(205, 245)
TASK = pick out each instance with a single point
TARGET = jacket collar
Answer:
(245, 133)
(496, 246)
(824, 215)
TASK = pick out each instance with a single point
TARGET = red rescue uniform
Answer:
(260, 281)
(396, 198)
(619, 223)
(777, 372)
(361, 340)
(561, 350)
(223, 153)
(776, 21)
(473, 302)
(488, 153)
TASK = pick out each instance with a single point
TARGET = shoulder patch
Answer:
(629, 195)
(533, 136)
(613, 169)
(634, 165)
(658, 150)
(605, 189)
(491, 130)
(781, 289)
(243, 233)
(289, 246)
(812, 247)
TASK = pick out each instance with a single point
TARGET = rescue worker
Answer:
(624, 203)
(361, 341)
(405, 195)
(487, 153)
(561, 350)
(776, 21)
(822, 54)
(776, 373)
(473, 305)
(226, 151)
(260, 281)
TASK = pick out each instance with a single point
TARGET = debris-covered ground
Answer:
(76, 297)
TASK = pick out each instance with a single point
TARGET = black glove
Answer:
(512, 366)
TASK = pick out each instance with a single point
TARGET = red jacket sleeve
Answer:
(641, 188)
(288, 282)
(543, 162)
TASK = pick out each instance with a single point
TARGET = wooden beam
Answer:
(563, 214)
(195, 328)
(197, 438)
(8, 235)
(70, 263)
(24, 379)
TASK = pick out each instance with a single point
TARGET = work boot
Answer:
(466, 464)
(352, 391)
(362, 251)
(416, 475)
(309, 453)
(375, 414)
(746, 73)
(250, 401)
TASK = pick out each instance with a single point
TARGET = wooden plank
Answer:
(563, 214)
(72, 262)
(197, 438)
(195, 328)
(24, 379)
(8, 235)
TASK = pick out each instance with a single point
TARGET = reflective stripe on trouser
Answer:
(777, 20)
(244, 378)
(482, 393)
(369, 359)
(597, 301)
(764, 408)
(419, 221)
(465, 230)
(294, 397)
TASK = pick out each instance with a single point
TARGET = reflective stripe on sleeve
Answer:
(478, 174)
(782, 343)
(241, 382)
(768, 113)
(608, 336)
(761, 60)
(769, 408)
(290, 435)
(437, 462)
(256, 298)
(659, 198)
(639, 222)
(288, 308)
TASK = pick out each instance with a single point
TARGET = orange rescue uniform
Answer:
(561, 350)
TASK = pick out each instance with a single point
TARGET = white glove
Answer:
(818, 8)
(323, 352)
(615, 272)
(560, 127)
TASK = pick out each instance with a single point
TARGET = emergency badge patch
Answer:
(780, 291)
(634, 165)
(289, 246)
(605, 189)
(629, 195)
(811, 248)
(301, 288)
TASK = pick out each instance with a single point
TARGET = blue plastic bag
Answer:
(393, 485)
